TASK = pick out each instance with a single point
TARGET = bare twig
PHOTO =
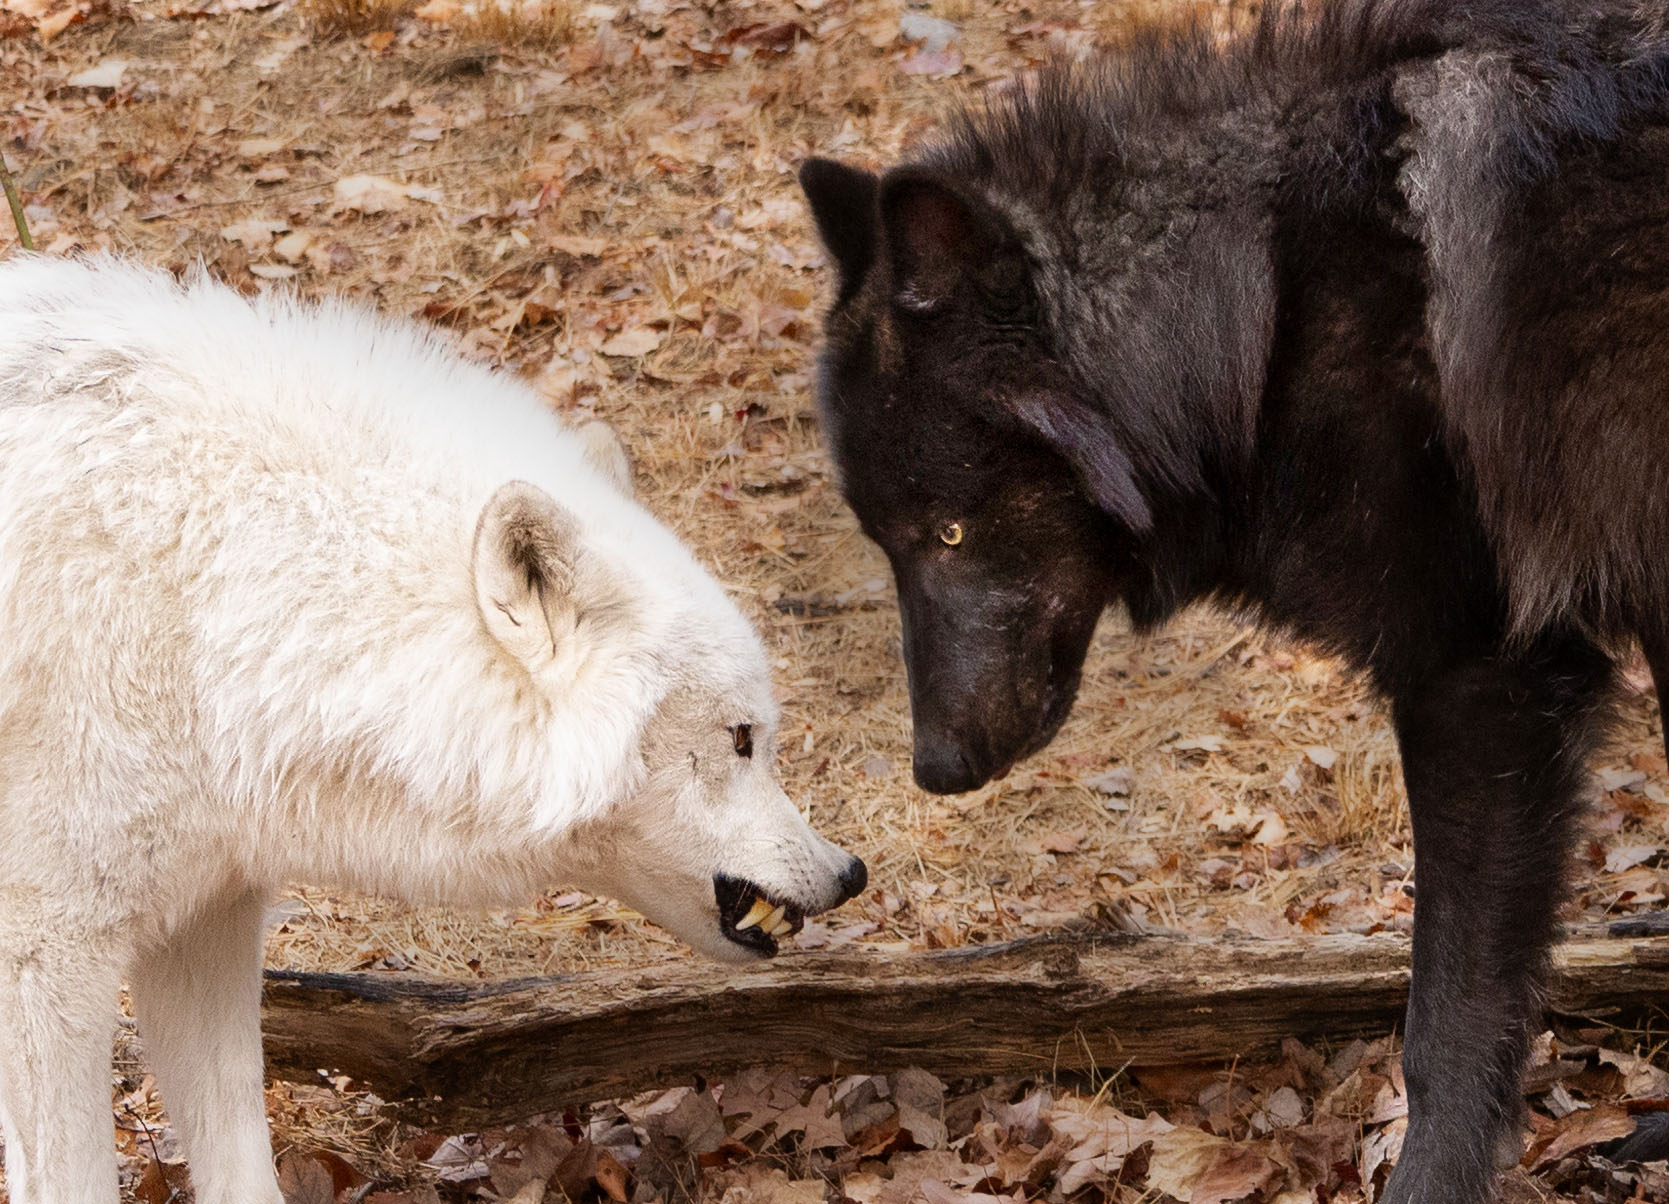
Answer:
(156, 1154)
(16, 202)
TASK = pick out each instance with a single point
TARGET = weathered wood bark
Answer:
(461, 1056)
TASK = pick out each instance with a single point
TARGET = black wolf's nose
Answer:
(853, 879)
(945, 770)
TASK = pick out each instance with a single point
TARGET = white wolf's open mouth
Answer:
(751, 917)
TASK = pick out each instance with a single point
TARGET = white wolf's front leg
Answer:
(198, 1005)
(57, 1016)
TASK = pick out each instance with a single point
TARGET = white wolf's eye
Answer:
(950, 534)
(742, 733)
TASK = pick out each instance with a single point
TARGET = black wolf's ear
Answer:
(843, 205)
(939, 240)
(1083, 439)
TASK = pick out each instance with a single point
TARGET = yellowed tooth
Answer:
(770, 922)
(782, 929)
(760, 910)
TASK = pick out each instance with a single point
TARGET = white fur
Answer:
(259, 627)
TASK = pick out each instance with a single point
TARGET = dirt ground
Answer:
(601, 197)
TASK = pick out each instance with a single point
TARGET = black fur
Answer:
(1359, 324)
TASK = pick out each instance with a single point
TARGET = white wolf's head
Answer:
(699, 836)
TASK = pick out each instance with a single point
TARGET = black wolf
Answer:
(1359, 323)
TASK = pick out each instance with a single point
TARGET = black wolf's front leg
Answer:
(1495, 759)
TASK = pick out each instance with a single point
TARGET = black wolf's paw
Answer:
(1648, 1143)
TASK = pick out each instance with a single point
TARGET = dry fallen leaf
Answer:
(1180, 1159)
(1235, 1174)
(573, 244)
(305, 1180)
(156, 1185)
(1199, 744)
(1101, 1139)
(1116, 782)
(255, 233)
(921, 1107)
(51, 26)
(1272, 829)
(456, 1160)
(939, 63)
(107, 74)
(695, 1123)
(530, 1155)
(1641, 1079)
(1627, 856)
(1382, 1146)
(758, 1184)
(377, 194)
(1321, 755)
(934, 33)
(608, 1174)
(292, 247)
(640, 340)
(1284, 1109)
(34, 10)
(816, 1120)
(1578, 1131)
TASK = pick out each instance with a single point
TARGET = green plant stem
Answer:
(16, 203)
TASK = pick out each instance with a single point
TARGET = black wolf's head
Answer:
(1015, 396)
(1000, 556)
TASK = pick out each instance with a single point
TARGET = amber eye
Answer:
(950, 534)
(742, 733)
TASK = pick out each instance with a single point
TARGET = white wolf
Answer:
(294, 594)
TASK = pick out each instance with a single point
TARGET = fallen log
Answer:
(460, 1056)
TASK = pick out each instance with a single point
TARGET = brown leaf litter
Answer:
(600, 196)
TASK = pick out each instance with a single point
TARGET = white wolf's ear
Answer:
(606, 452)
(525, 547)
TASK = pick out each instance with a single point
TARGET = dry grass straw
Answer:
(536, 25)
(15, 204)
(352, 17)
(530, 24)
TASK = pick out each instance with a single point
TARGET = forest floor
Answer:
(601, 197)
